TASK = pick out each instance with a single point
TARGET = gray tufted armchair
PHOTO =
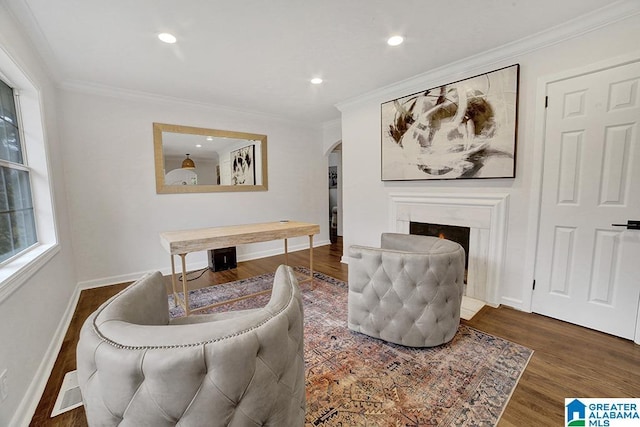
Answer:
(408, 291)
(136, 367)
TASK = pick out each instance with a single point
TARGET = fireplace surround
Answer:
(486, 216)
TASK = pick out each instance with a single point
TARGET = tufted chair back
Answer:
(137, 367)
(408, 291)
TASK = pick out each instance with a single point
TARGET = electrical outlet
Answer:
(4, 385)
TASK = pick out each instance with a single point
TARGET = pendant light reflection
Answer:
(188, 163)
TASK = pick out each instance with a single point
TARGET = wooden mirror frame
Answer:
(162, 188)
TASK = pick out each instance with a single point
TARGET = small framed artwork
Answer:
(465, 129)
(333, 176)
(243, 170)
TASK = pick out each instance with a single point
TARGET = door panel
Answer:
(562, 260)
(615, 164)
(588, 271)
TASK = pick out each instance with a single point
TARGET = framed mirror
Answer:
(199, 160)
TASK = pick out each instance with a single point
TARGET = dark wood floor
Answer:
(569, 361)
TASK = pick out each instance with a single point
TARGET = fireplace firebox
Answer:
(450, 232)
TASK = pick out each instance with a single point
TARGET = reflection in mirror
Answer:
(199, 160)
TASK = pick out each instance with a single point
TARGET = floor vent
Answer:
(69, 396)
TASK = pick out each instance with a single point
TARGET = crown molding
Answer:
(28, 25)
(501, 55)
(137, 95)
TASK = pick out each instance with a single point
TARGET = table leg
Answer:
(185, 291)
(173, 281)
(311, 259)
(286, 252)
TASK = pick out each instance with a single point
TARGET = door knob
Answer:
(631, 225)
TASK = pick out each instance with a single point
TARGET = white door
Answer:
(588, 271)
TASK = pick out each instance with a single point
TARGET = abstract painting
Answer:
(243, 171)
(464, 129)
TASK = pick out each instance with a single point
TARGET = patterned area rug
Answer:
(355, 380)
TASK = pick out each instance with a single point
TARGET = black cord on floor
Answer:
(193, 278)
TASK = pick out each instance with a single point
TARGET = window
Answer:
(17, 220)
(26, 188)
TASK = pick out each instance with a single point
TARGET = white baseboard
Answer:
(513, 303)
(112, 280)
(31, 399)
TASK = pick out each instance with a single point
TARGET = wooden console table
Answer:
(183, 242)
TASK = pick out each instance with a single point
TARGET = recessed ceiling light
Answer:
(199, 145)
(395, 40)
(209, 138)
(167, 38)
(316, 80)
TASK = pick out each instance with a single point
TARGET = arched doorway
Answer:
(335, 192)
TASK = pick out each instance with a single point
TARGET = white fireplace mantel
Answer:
(486, 216)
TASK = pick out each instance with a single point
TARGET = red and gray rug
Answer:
(355, 380)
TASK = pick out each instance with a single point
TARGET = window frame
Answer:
(15, 271)
(24, 166)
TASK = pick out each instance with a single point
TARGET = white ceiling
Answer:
(258, 55)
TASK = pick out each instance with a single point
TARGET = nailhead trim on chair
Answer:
(196, 344)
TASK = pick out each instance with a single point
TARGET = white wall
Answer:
(32, 318)
(117, 216)
(366, 197)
